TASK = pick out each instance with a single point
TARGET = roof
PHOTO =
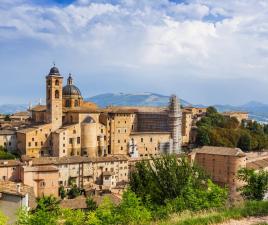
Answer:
(11, 163)
(135, 109)
(7, 132)
(32, 128)
(233, 112)
(20, 114)
(226, 151)
(73, 160)
(39, 108)
(80, 202)
(81, 109)
(9, 187)
(258, 164)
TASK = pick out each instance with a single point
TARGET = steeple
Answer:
(70, 79)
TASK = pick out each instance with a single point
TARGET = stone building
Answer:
(240, 116)
(221, 163)
(8, 140)
(69, 126)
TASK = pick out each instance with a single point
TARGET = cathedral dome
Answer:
(70, 89)
(54, 71)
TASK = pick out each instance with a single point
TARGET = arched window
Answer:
(76, 103)
(57, 82)
(67, 104)
(57, 94)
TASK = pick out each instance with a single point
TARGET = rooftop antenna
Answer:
(54, 64)
(40, 101)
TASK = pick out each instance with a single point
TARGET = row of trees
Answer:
(217, 130)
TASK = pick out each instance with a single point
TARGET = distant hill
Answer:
(139, 99)
(12, 108)
(256, 110)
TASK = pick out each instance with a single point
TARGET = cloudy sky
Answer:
(205, 51)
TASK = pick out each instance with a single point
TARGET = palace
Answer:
(69, 126)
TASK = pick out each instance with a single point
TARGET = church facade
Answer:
(69, 126)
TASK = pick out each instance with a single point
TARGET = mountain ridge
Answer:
(256, 110)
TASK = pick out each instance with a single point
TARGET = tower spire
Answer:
(70, 79)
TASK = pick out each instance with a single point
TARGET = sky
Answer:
(205, 51)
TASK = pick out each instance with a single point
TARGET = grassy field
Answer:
(218, 216)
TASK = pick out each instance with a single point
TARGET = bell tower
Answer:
(54, 98)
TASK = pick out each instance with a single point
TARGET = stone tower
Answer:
(175, 123)
(54, 98)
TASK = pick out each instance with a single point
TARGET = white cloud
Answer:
(203, 38)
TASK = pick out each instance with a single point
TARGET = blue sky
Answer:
(205, 51)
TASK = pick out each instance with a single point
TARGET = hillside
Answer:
(139, 99)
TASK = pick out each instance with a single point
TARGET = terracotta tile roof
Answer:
(80, 202)
(9, 187)
(20, 114)
(72, 159)
(9, 163)
(7, 132)
(135, 109)
(213, 150)
(39, 108)
(32, 128)
(45, 168)
(258, 164)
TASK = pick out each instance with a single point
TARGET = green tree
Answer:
(256, 183)
(62, 192)
(3, 219)
(47, 204)
(245, 142)
(166, 178)
(131, 210)
(91, 204)
(74, 192)
(203, 137)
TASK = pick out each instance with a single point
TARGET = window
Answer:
(29, 144)
(42, 184)
(57, 83)
(9, 143)
(35, 143)
(70, 140)
(42, 143)
(76, 103)
(46, 135)
(141, 139)
(63, 145)
(57, 94)
(78, 140)
(122, 148)
(118, 141)
(151, 139)
(74, 131)
(32, 139)
(67, 103)
(101, 130)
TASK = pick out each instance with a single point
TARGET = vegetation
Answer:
(91, 204)
(3, 219)
(217, 130)
(170, 184)
(4, 154)
(251, 208)
(256, 183)
(166, 190)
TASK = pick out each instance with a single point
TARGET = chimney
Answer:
(18, 187)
